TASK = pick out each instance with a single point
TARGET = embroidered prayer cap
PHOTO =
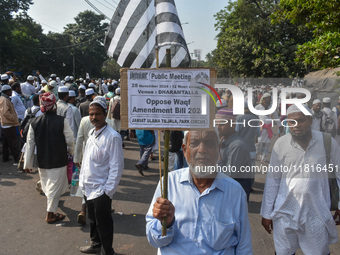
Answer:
(53, 75)
(225, 113)
(91, 85)
(4, 77)
(224, 103)
(46, 101)
(293, 108)
(89, 92)
(82, 87)
(30, 78)
(6, 87)
(53, 83)
(101, 101)
(117, 92)
(316, 101)
(67, 78)
(71, 93)
(266, 95)
(43, 82)
(63, 89)
(326, 100)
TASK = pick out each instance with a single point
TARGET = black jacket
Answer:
(50, 140)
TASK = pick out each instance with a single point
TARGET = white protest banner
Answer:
(168, 98)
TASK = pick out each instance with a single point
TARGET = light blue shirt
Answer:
(214, 222)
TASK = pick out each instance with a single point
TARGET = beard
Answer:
(302, 136)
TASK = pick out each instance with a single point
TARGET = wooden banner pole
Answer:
(166, 156)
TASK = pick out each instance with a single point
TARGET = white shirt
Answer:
(76, 120)
(82, 136)
(105, 88)
(102, 163)
(328, 111)
(27, 89)
(33, 108)
(18, 105)
(300, 197)
(69, 117)
(316, 124)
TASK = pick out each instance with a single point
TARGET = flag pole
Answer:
(166, 156)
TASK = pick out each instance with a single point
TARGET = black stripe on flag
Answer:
(116, 19)
(140, 43)
(127, 23)
(168, 17)
(137, 14)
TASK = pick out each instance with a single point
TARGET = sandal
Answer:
(57, 217)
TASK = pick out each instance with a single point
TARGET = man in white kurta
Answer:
(82, 136)
(41, 135)
(76, 113)
(102, 168)
(296, 203)
(28, 91)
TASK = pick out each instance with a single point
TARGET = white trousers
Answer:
(312, 237)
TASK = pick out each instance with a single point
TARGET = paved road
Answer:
(24, 231)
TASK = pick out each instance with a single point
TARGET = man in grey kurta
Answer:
(296, 202)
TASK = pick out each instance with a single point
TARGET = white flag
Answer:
(138, 27)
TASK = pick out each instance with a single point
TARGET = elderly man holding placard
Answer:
(206, 211)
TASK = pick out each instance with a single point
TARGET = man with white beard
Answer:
(206, 211)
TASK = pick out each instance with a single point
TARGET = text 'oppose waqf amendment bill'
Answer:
(167, 98)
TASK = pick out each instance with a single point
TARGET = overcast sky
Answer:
(53, 15)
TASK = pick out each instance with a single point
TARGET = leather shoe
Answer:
(89, 249)
(81, 218)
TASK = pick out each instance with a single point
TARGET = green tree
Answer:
(27, 39)
(323, 17)
(7, 10)
(87, 34)
(111, 69)
(250, 45)
(57, 53)
(212, 62)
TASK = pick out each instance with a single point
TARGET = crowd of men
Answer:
(206, 211)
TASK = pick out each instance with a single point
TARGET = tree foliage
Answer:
(322, 52)
(87, 34)
(250, 45)
(7, 10)
(9, 7)
(111, 69)
(319, 16)
(24, 46)
(323, 17)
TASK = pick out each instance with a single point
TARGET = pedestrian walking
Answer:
(53, 139)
